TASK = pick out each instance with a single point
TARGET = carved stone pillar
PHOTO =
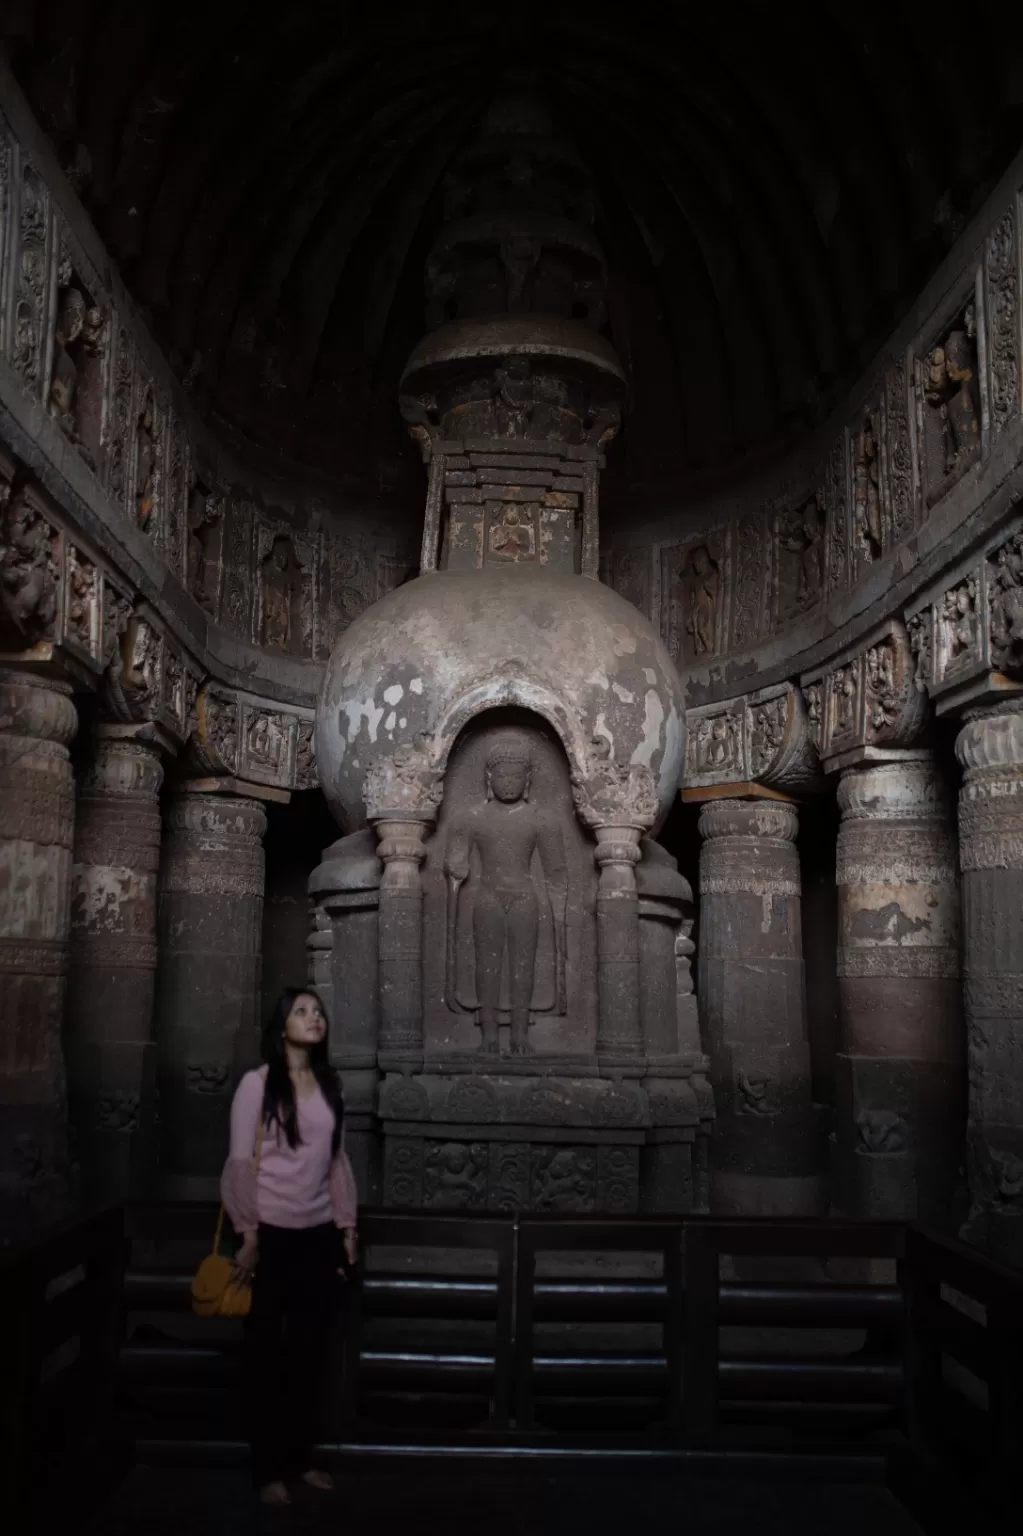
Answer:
(209, 926)
(37, 721)
(109, 1014)
(751, 995)
(900, 1065)
(990, 748)
(402, 849)
(619, 1031)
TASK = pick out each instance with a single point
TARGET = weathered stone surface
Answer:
(209, 932)
(901, 1060)
(990, 749)
(37, 721)
(109, 1014)
(753, 1012)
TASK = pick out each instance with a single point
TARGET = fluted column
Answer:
(109, 1014)
(990, 748)
(752, 1004)
(209, 928)
(619, 1032)
(37, 721)
(900, 1067)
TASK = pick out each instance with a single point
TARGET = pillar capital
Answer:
(740, 818)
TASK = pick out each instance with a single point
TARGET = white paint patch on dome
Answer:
(673, 739)
(402, 723)
(394, 695)
(598, 680)
(416, 685)
(653, 722)
(623, 693)
(600, 728)
(391, 721)
(358, 710)
(624, 640)
(650, 675)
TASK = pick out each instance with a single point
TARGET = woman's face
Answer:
(305, 1024)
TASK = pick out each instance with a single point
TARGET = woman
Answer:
(291, 1196)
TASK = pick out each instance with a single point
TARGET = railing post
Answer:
(523, 1346)
(700, 1364)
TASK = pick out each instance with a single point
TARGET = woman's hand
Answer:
(351, 1241)
(245, 1260)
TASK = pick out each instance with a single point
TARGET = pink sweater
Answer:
(295, 1187)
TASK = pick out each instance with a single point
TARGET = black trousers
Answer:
(297, 1304)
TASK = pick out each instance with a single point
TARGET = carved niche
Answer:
(82, 604)
(949, 405)
(32, 281)
(868, 514)
(268, 739)
(285, 616)
(78, 372)
(509, 887)
(693, 599)
(799, 563)
(147, 446)
(206, 547)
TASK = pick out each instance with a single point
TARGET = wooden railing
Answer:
(61, 1304)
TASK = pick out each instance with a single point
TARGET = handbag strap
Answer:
(259, 1153)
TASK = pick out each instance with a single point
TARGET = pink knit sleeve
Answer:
(238, 1182)
(344, 1197)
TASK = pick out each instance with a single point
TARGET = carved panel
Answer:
(693, 598)
(836, 500)
(268, 741)
(1001, 273)
(716, 750)
(455, 1175)
(868, 519)
(32, 282)
(30, 573)
(215, 743)
(1004, 588)
(176, 479)
(353, 578)
(920, 628)
(898, 458)
(119, 443)
(948, 403)
(764, 737)
(751, 575)
(799, 553)
(147, 449)
(205, 556)
(306, 776)
(77, 386)
(868, 697)
(563, 1178)
(959, 632)
(285, 612)
(236, 607)
(82, 604)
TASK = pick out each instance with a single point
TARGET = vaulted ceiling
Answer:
(775, 183)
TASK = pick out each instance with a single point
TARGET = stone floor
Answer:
(382, 1497)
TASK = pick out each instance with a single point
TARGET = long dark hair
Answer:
(279, 1093)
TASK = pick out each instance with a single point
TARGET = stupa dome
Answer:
(428, 657)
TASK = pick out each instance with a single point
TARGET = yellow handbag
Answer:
(215, 1293)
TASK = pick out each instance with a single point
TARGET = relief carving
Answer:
(950, 389)
(146, 465)
(455, 1174)
(214, 744)
(614, 794)
(29, 572)
(883, 701)
(959, 624)
(79, 350)
(898, 458)
(402, 783)
(845, 692)
(881, 1131)
(353, 584)
(1003, 322)
(715, 746)
(120, 418)
(836, 505)
(768, 722)
(32, 281)
(867, 517)
(266, 741)
(800, 558)
(921, 643)
(1005, 604)
(237, 567)
(749, 580)
(205, 547)
(82, 602)
(563, 1179)
(692, 588)
(704, 588)
(509, 855)
(306, 776)
(814, 713)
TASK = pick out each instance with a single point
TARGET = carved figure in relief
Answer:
(145, 462)
(884, 705)
(704, 592)
(512, 535)
(804, 536)
(844, 690)
(504, 835)
(1006, 603)
(768, 733)
(881, 1130)
(205, 513)
(959, 612)
(717, 743)
(28, 572)
(920, 645)
(564, 1179)
(280, 595)
(951, 389)
(867, 489)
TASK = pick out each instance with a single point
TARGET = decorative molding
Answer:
(763, 737)
(867, 698)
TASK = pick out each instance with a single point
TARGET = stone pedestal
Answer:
(990, 749)
(900, 1068)
(751, 995)
(109, 1014)
(209, 929)
(37, 721)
